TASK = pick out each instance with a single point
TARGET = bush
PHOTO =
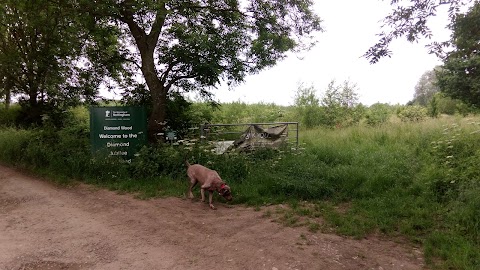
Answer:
(377, 114)
(312, 116)
(9, 116)
(307, 107)
(412, 113)
(341, 107)
(13, 143)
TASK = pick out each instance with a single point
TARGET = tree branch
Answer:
(127, 17)
(163, 77)
(211, 8)
(178, 78)
(157, 26)
(132, 61)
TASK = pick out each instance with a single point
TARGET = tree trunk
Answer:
(8, 89)
(7, 99)
(146, 44)
(32, 100)
(156, 120)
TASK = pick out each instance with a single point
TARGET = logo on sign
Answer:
(107, 113)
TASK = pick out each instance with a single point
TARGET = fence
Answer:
(225, 132)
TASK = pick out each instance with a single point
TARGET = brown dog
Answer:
(209, 180)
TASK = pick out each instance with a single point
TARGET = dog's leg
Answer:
(192, 184)
(202, 192)
(203, 188)
(210, 199)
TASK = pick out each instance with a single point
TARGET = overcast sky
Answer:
(350, 29)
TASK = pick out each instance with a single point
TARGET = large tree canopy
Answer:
(195, 44)
(460, 74)
(46, 49)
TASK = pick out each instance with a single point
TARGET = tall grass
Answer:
(414, 180)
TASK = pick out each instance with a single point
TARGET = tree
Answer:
(409, 19)
(194, 45)
(377, 114)
(433, 106)
(340, 103)
(306, 97)
(459, 77)
(5, 91)
(426, 88)
(307, 106)
(45, 47)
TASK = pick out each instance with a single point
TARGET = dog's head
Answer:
(225, 192)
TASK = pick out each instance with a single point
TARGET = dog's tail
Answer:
(186, 162)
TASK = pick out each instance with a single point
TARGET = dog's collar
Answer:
(221, 191)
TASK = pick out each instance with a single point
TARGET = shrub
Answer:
(377, 114)
(412, 113)
(312, 116)
(307, 107)
(341, 107)
(8, 116)
(12, 144)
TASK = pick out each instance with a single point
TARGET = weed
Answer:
(267, 214)
(313, 227)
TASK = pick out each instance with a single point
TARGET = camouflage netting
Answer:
(257, 137)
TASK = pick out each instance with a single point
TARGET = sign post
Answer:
(119, 131)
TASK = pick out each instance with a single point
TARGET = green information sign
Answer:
(119, 131)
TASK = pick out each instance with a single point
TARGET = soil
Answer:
(44, 226)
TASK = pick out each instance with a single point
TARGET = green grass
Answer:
(418, 181)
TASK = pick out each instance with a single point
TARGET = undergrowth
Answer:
(415, 180)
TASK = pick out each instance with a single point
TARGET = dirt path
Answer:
(47, 227)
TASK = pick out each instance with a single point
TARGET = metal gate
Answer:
(226, 132)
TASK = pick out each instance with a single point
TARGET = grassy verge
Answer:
(414, 180)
